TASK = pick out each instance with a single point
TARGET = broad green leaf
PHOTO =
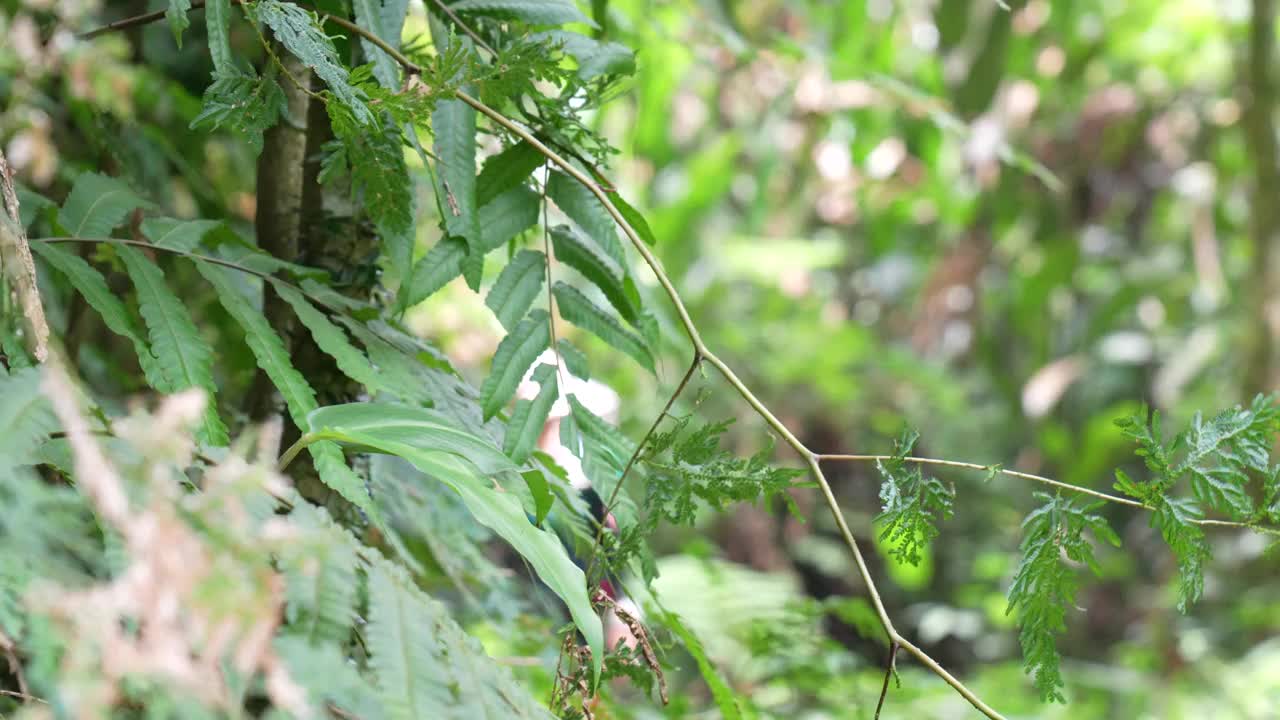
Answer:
(183, 357)
(269, 351)
(217, 19)
(26, 420)
(503, 513)
(442, 263)
(540, 491)
(517, 287)
(385, 19)
(93, 288)
(506, 171)
(530, 417)
(182, 235)
(634, 219)
(427, 666)
(454, 126)
(299, 32)
(586, 210)
(571, 250)
(369, 424)
(515, 355)
(331, 339)
(30, 204)
(176, 14)
(534, 12)
(579, 310)
(96, 205)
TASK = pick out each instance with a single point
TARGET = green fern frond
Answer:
(581, 311)
(506, 171)
(442, 263)
(97, 205)
(911, 504)
(300, 33)
(331, 339)
(534, 12)
(515, 355)
(183, 357)
(595, 267)
(517, 287)
(26, 420)
(587, 213)
(530, 416)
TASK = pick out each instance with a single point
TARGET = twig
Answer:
(888, 673)
(15, 260)
(617, 488)
(1116, 499)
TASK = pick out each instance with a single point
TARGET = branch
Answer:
(1116, 499)
(20, 269)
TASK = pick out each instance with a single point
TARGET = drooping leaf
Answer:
(300, 33)
(581, 311)
(517, 287)
(454, 126)
(331, 339)
(217, 19)
(634, 219)
(1044, 585)
(367, 425)
(176, 14)
(587, 213)
(573, 251)
(534, 12)
(26, 420)
(183, 357)
(506, 216)
(574, 361)
(912, 504)
(506, 171)
(442, 263)
(300, 399)
(93, 288)
(385, 19)
(530, 416)
(595, 58)
(96, 205)
(1175, 519)
(515, 355)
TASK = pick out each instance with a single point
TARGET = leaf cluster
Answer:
(911, 503)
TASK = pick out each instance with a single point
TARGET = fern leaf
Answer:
(427, 666)
(517, 287)
(328, 677)
(184, 358)
(911, 503)
(634, 219)
(246, 103)
(506, 216)
(1044, 585)
(298, 30)
(320, 579)
(217, 19)
(514, 356)
(454, 126)
(506, 171)
(96, 205)
(1175, 519)
(176, 14)
(442, 263)
(600, 270)
(26, 420)
(269, 351)
(385, 20)
(380, 178)
(594, 58)
(530, 416)
(331, 339)
(534, 12)
(587, 213)
(581, 311)
(724, 696)
(93, 288)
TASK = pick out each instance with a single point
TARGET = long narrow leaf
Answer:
(581, 311)
(331, 339)
(517, 287)
(183, 357)
(530, 416)
(514, 357)
(571, 250)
